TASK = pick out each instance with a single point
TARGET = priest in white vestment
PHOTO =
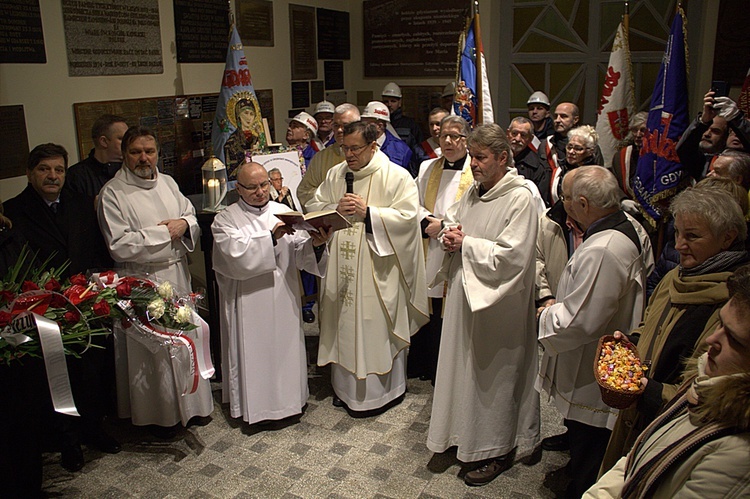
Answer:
(485, 402)
(150, 227)
(256, 259)
(441, 183)
(601, 290)
(374, 293)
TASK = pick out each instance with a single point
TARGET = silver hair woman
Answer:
(582, 142)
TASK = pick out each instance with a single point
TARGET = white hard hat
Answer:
(377, 110)
(325, 107)
(391, 90)
(449, 90)
(538, 98)
(306, 120)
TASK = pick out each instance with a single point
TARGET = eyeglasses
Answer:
(253, 188)
(353, 149)
(574, 148)
(277, 179)
(455, 137)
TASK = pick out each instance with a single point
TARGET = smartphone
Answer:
(720, 88)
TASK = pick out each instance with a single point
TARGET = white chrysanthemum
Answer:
(156, 308)
(183, 315)
(165, 290)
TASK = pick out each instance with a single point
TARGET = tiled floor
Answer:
(326, 453)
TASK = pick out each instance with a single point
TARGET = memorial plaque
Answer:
(13, 141)
(300, 94)
(317, 90)
(302, 33)
(255, 22)
(334, 74)
(122, 37)
(333, 34)
(181, 123)
(21, 36)
(201, 30)
(417, 38)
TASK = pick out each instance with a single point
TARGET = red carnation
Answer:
(124, 289)
(79, 279)
(28, 286)
(101, 308)
(52, 285)
(5, 318)
(72, 316)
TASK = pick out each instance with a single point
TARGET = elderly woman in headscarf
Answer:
(580, 150)
(710, 235)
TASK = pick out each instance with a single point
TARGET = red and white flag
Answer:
(617, 103)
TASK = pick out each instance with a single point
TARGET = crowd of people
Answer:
(463, 255)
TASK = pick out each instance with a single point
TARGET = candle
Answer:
(213, 193)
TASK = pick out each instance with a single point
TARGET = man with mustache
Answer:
(150, 227)
(61, 225)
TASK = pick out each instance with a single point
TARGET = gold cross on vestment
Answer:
(347, 249)
(346, 273)
(346, 297)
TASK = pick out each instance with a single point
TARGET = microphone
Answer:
(349, 177)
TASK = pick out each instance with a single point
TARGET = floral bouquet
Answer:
(152, 314)
(40, 316)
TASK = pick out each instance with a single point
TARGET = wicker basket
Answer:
(618, 399)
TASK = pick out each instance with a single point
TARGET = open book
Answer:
(328, 219)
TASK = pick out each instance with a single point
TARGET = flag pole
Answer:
(478, 61)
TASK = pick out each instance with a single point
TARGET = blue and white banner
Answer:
(659, 174)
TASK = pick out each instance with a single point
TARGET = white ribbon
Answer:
(54, 358)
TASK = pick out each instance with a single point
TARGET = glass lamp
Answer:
(214, 185)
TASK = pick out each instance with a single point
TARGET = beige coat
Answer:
(717, 468)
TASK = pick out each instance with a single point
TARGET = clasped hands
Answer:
(176, 227)
(451, 237)
(352, 205)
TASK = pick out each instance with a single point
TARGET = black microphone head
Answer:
(349, 177)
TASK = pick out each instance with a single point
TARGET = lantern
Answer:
(214, 185)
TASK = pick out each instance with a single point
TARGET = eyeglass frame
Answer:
(356, 150)
(262, 185)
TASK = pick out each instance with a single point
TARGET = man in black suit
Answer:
(62, 225)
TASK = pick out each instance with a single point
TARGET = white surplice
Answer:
(450, 185)
(130, 209)
(374, 294)
(601, 290)
(263, 345)
(484, 401)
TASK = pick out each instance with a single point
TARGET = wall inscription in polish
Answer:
(112, 38)
(417, 38)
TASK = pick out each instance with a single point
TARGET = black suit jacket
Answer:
(73, 232)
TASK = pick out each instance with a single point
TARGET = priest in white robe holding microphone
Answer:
(256, 258)
(374, 294)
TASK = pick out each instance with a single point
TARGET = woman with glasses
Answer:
(579, 151)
